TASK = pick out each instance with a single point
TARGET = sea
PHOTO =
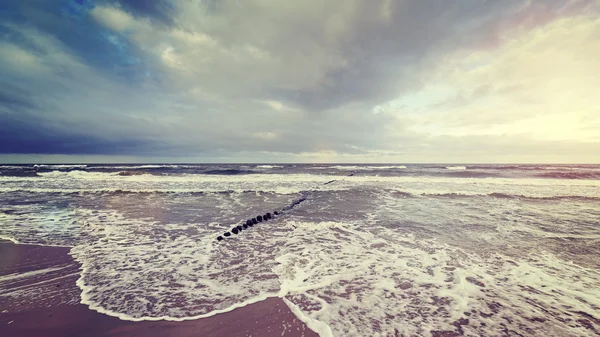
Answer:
(354, 250)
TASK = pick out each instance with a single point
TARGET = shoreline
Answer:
(39, 296)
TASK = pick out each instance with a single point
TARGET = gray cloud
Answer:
(175, 78)
(321, 56)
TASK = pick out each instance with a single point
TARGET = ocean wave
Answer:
(59, 166)
(505, 167)
(8, 238)
(244, 176)
(217, 190)
(342, 275)
(284, 190)
(510, 196)
(493, 167)
(534, 167)
(495, 195)
(95, 175)
(146, 167)
(456, 167)
(78, 174)
(284, 184)
(131, 173)
(388, 167)
(359, 168)
(268, 166)
(572, 168)
(14, 173)
(570, 175)
(228, 172)
(348, 168)
(228, 175)
(468, 174)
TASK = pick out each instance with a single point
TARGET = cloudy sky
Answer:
(300, 81)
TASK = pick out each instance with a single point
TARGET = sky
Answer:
(361, 81)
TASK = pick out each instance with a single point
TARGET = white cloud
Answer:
(114, 18)
(193, 39)
(171, 59)
(237, 53)
(47, 56)
(19, 60)
(542, 83)
(265, 135)
(278, 106)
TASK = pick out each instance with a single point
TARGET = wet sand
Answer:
(38, 297)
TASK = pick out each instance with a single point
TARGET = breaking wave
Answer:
(56, 167)
(268, 166)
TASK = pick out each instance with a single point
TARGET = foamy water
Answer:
(365, 255)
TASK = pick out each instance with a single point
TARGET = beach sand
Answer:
(38, 297)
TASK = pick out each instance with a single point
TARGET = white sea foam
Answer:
(337, 277)
(268, 166)
(78, 175)
(456, 167)
(12, 167)
(391, 167)
(362, 167)
(176, 276)
(8, 238)
(36, 224)
(315, 325)
(80, 181)
(54, 167)
(349, 279)
(137, 167)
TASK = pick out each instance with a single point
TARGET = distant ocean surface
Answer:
(368, 250)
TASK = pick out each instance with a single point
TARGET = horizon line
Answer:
(298, 163)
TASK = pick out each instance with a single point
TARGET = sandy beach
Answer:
(48, 275)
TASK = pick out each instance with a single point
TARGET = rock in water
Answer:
(265, 217)
(268, 215)
(254, 221)
(249, 223)
(245, 226)
(276, 213)
(239, 228)
(259, 218)
(227, 234)
(234, 230)
(219, 238)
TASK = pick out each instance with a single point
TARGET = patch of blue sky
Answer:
(417, 101)
(76, 9)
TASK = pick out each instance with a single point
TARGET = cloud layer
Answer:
(264, 80)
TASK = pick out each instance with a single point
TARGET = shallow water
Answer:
(413, 250)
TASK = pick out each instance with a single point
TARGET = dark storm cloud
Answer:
(23, 134)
